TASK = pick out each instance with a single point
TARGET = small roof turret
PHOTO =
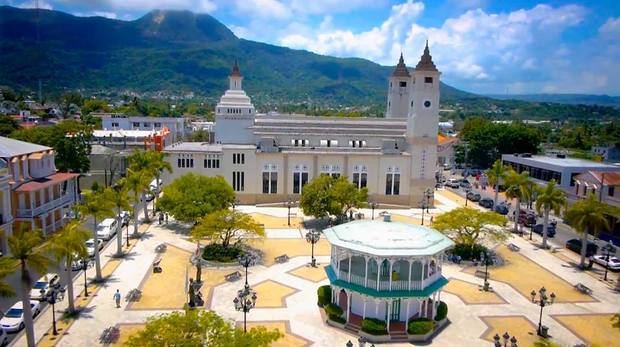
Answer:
(401, 69)
(235, 70)
(426, 61)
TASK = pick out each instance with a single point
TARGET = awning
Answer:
(41, 183)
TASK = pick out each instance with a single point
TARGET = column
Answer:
(337, 296)
(433, 307)
(378, 271)
(439, 295)
(333, 295)
(420, 309)
(423, 263)
(365, 274)
(377, 308)
(407, 320)
(42, 218)
(364, 310)
(350, 256)
(31, 194)
(50, 192)
(389, 313)
(349, 305)
(409, 276)
(337, 262)
(391, 263)
(53, 220)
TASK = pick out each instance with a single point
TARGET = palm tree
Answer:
(137, 182)
(26, 247)
(98, 205)
(152, 163)
(588, 216)
(67, 246)
(518, 186)
(7, 267)
(120, 197)
(158, 164)
(550, 198)
(496, 175)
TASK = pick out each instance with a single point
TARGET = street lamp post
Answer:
(127, 233)
(53, 295)
(507, 338)
(542, 301)
(313, 237)
(289, 204)
(484, 257)
(246, 297)
(428, 193)
(609, 249)
(373, 205)
(84, 268)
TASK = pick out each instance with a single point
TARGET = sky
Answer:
(482, 46)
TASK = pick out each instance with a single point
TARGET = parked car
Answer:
(13, 320)
(486, 202)
(538, 228)
(575, 246)
(464, 183)
(40, 287)
(473, 196)
(502, 208)
(527, 218)
(90, 246)
(107, 228)
(4, 338)
(453, 183)
(601, 259)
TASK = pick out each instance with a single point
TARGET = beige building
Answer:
(268, 158)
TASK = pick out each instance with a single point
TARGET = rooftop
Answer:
(203, 147)
(611, 178)
(382, 238)
(11, 148)
(124, 133)
(561, 162)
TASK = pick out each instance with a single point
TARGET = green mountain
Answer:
(573, 99)
(176, 52)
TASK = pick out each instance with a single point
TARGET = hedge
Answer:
(219, 253)
(420, 326)
(374, 326)
(467, 252)
(333, 310)
(337, 319)
(324, 294)
(442, 311)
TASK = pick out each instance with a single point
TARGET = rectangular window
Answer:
(136, 124)
(217, 163)
(388, 184)
(428, 80)
(115, 125)
(157, 125)
(191, 162)
(238, 181)
(356, 179)
(299, 181)
(392, 184)
(179, 160)
(266, 182)
(234, 158)
(402, 84)
(363, 181)
(270, 182)
(242, 158)
(396, 190)
(610, 190)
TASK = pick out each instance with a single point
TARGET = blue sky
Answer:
(483, 46)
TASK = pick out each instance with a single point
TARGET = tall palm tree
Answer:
(7, 267)
(152, 163)
(26, 247)
(158, 164)
(496, 175)
(518, 187)
(136, 182)
(588, 216)
(550, 198)
(67, 246)
(98, 205)
(120, 197)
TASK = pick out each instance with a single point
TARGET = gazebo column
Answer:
(389, 313)
(350, 256)
(349, 305)
(364, 310)
(378, 271)
(407, 318)
(420, 313)
(422, 273)
(377, 307)
(365, 275)
(409, 276)
(391, 264)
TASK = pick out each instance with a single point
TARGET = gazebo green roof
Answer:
(386, 238)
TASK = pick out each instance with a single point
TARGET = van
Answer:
(107, 228)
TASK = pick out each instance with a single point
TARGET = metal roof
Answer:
(11, 148)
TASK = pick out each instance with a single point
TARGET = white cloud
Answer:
(611, 28)
(264, 8)
(32, 4)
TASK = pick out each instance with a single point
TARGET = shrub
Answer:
(333, 310)
(420, 326)
(337, 319)
(442, 311)
(374, 326)
(217, 252)
(467, 252)
(325, 295)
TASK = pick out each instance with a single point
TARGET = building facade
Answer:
(268, 158)
(118, 121)
(386, 270)
(602, 184)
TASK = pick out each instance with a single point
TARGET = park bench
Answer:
(513, 247)
(583, 289)
(233, 276)
(157, 266)
(161, 248)
(133, 295)
(109, 335)
(281, 258)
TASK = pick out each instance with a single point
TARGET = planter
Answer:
(335, 324)
(375, 338)
(425, 337)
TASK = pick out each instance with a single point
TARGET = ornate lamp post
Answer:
(484, 257)
(349, 344)
(313, 237)
(507, 338)
(428, 193)
(609, 249)
(246, 297)
(542, 301)
(289, 204)
(53, 295)
(373, 205)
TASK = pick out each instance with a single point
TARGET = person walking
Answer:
(117, 298)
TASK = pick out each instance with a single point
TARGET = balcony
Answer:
(48, 206)
(387, 285)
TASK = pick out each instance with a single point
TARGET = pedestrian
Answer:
(166, 216)
(117, 298)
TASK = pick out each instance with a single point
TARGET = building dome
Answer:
(385, 238)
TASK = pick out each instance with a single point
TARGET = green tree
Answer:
(550, 198)
(518, 187)
(496, 175)
(199, 136)
(7, 267)
(469, 226)
(95, 105)
(119, 194)
(192, 196)
(8, 125)
(227, 227)
(99, 206)
(325, 195)
(69, 102)
(151, 163)
(588, 216)
(136, 182)
(67, 246)
(199, 328)
(615, 321)
(26, 247)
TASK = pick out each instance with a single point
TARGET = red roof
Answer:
(611, 178)
(41, 183)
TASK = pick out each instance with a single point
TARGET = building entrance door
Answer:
(395, 312)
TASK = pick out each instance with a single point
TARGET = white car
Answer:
(614, 262)
(107, 228)
(40, 287)
(13, 320)
(90, 246)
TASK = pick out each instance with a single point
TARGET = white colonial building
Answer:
(268, 158)
(386, 270)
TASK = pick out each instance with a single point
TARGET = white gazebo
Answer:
(386, 270)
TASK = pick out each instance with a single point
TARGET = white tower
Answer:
(422, 126)
(234, 114)
(399, 91)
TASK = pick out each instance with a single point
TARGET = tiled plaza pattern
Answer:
(470, 323)
(314, 274)
(472, 294)
(289, 339)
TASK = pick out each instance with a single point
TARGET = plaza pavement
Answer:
(300, 311)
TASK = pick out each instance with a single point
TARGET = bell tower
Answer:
(399, 91)
(422, 126)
